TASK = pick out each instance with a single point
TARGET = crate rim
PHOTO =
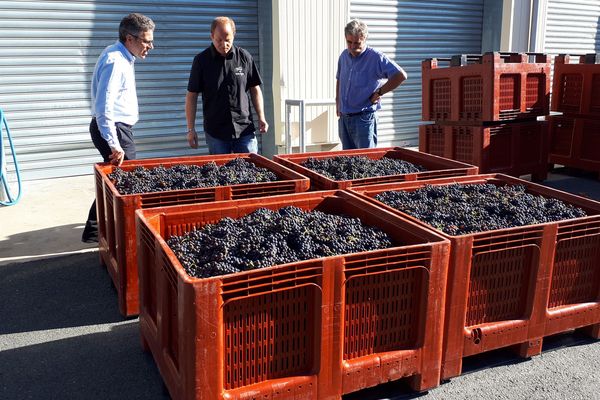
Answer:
(452, 165)
(192, 160)
(475, 179)
(143, 214)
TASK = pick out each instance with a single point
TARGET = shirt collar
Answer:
(360, 55)
(214, 53)
(125, 52)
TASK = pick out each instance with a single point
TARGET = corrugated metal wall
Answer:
(47, 54)
(573, 27)
(409, 32)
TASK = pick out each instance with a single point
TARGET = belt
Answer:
(358, 113)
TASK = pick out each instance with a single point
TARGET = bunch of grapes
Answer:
(265, 238)
(182, 176)
(342, 168)
(462, 209)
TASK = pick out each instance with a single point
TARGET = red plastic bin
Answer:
(517, 149)
(512, 287)
(575, 142)
(575, 87)
(116, 212)
(437, 167)
(312, 329)
(483, 88)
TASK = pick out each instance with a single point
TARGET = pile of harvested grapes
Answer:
(178, 177)
(462, 209)
(265, 238)
(343, 168)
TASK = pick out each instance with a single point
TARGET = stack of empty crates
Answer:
(575, 136)
(485, 109)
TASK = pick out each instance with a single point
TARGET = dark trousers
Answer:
(125, 136)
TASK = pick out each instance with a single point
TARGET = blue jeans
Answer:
(243, 144)
(358, 131)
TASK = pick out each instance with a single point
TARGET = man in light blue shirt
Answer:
(114, 99)
(363, 76)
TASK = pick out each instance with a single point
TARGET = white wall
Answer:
(307, 40)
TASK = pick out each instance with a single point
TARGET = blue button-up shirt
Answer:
(360, 76)
(114, 98)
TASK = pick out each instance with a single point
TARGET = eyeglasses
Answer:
(146, 42)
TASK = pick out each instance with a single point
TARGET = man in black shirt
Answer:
(224, 73)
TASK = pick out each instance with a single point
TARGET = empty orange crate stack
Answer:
(509, 148)
(437, 167)
(576, 87)
(575, 136)
(116, 212)
(511, 287)
(481, 94)
(313, 329)
(486, 88)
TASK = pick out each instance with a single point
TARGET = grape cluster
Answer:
(342, 168)
(462, 209)
(182, 176)
(265, 238)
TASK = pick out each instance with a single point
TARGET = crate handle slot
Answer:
(385, 272)
(269, 292)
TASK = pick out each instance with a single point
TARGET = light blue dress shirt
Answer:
(360, 76)
(114, 97)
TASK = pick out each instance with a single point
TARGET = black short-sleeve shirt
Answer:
(224, 83)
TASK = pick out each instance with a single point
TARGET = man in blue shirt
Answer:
(363, 76)
(114, 99)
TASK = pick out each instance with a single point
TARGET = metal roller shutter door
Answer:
(572, 27)
(47, 54)
(409, 32)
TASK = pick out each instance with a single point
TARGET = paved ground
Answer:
(62, 337)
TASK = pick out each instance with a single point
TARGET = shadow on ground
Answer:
(99, 366)
(581, 183)
(59, 292)
(42, 242)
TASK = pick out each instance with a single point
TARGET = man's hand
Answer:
(375, 97)
(263, 126)
(117, 157)
(192, 138)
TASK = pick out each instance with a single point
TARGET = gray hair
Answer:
(134, 24)
(356, 28)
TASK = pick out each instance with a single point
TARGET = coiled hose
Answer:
(3, 178)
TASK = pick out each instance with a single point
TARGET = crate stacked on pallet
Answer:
(116, 211)
(312, 329)
(575, 136)
(485, 110)
(512, 287)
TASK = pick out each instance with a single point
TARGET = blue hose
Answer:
(3, 178)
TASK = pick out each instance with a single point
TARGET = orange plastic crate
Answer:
(575, 87)
(437, 167)
(517, 149)
(312, 329)
(575, 142)
(489, 87)
(116, 212)
(512, 287)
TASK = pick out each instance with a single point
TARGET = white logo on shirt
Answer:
(239, 71)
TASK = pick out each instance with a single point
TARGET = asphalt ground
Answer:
(62, 337)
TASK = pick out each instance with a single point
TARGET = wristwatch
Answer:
(379, 92)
